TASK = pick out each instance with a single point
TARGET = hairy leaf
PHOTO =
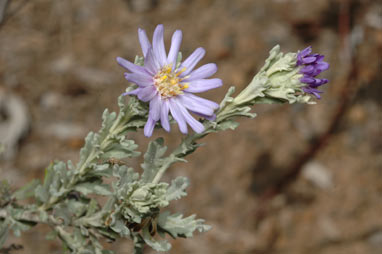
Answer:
(4, 232)
(152, 159)
(160, 245)
(96, 188)
(177, 188)
(177, 226)
(27, 190)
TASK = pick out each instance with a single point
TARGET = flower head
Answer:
(311, 66)
(286, 77)
(169, 85)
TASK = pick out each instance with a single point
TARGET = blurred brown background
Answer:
(297, 179)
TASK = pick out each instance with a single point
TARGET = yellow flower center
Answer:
(168, 81)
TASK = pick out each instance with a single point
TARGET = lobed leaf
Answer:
(177, 226)
(177, 188)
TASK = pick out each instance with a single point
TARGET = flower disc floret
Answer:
(168, 82)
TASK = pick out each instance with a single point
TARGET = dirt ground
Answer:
(296, 179)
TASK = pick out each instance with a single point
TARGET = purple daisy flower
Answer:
(312, 65)
(169, 88)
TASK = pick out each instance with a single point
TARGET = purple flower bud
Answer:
(311, 66)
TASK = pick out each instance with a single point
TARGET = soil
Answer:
(58, 57)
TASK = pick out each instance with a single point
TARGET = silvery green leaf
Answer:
(77, 207)
(139, 60)
(152, 159)
(17, 227)
(70, 165)
(41, 194)
(59, 179)
(4, 232)
(121, 149)
(133, 215)
(255, 89)
(92, 208)
(48, 177)
(177, 226)
(177, 188)
(227, 98)
(125, 174)
(178, 60)
(5, 193)
(160, 245)
(269, 100)
(96, 188)
(101, 170)
(134, 106)
(227, 124)
(280, 62)
(84, 231)
(143, 198)
(91, 141)
(108, 234)
(232, 107)
(107, 122)
(187, 146)
(119, 226)
(26, 191)
(108, 205)
(62, 212)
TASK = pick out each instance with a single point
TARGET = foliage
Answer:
(135, 203)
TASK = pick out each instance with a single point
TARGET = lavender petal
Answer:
(307, 69)
(307, 80)
(147, 93)
(133, 92)
(308, 59)
(149, 127)
(144, 41)
(164, 115)
(132, 67)
(155, 108)
(192, 60)
(139, 79)
(202, 72)
(177, 114)
(151, 63)
(208, 117)
(158, 46)
(202, 85)
(194, 124)
(176, 40)
(198, 104)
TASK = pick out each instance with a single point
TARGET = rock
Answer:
(376, 239)
(318, 175)
(14, 122)
(373, 16)
(65, 130)
(329, 229)
(51, 100)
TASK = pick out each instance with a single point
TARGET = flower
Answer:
(311, 66)
(169, 85)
